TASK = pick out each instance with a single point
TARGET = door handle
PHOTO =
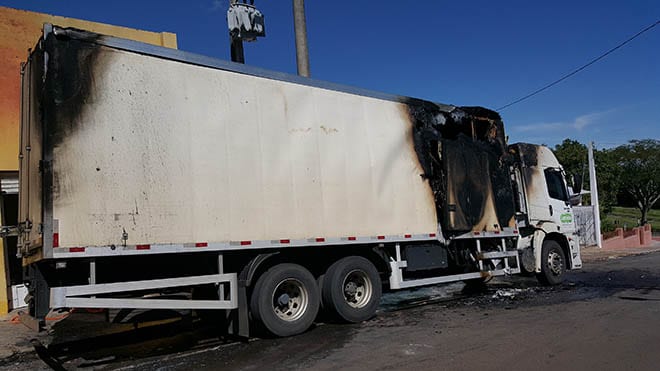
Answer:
(550, 207)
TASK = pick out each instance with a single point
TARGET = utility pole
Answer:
(246, 23)
(594, 195)
(300, 26)
(237, 53)
(236, 46)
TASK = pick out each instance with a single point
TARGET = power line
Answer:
(581, 68)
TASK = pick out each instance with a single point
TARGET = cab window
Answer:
(555, 182)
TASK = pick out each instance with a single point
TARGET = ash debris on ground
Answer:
(507, 293)
(398, 300)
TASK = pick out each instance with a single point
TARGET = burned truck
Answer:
(263, 197)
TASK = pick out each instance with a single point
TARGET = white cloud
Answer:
(219, 4)
(579, 123)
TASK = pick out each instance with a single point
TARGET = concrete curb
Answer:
(593, 253)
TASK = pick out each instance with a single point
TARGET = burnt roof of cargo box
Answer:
(205, 61)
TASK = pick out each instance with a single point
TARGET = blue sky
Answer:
(484, 53)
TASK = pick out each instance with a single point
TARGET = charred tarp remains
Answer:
(462, 151)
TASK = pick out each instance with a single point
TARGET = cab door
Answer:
(559, 206)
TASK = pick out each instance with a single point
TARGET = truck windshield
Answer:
(555, 181)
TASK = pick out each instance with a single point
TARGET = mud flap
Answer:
(243, 315)
(38, 298)
(238, 320)
(537, 244)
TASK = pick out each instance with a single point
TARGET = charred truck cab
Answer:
(548, 241)
(152, 178)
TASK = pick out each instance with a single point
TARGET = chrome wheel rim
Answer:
(555, 263)
(290, 300)
(357, 289)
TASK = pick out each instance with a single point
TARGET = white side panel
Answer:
(175, 153)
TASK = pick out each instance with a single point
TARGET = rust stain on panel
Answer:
(300, 130)
(328, 130)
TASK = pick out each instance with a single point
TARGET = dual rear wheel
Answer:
(286, 298)
(351, 289)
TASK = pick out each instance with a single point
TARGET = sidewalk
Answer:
(593, 253)
(14, 337)
(75, 327)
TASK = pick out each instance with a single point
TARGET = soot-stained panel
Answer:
(69, 80)
(462, 151)
(73, 61)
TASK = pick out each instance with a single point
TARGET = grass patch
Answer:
(628, 218)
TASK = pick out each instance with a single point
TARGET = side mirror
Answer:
(577, 183)
(575, 199)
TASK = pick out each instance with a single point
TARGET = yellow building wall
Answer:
(19, 31)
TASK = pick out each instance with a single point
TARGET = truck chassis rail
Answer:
(82, 296)
(495, 257)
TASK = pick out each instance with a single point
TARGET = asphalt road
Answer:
(606, 316)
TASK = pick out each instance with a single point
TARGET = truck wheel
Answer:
(351, 289)
(553, 264)
(285, 300)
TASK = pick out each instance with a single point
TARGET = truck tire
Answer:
(351, 289)
(285, 300)
(553, 264)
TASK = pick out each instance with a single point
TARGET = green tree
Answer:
(572, 156)
(639, 164)
(608, 176)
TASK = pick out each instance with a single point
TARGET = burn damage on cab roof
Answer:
(462, 152)
(528, 153)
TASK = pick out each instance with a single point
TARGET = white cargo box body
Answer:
(147, 149)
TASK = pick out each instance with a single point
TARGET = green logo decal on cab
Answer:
(566, 218)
